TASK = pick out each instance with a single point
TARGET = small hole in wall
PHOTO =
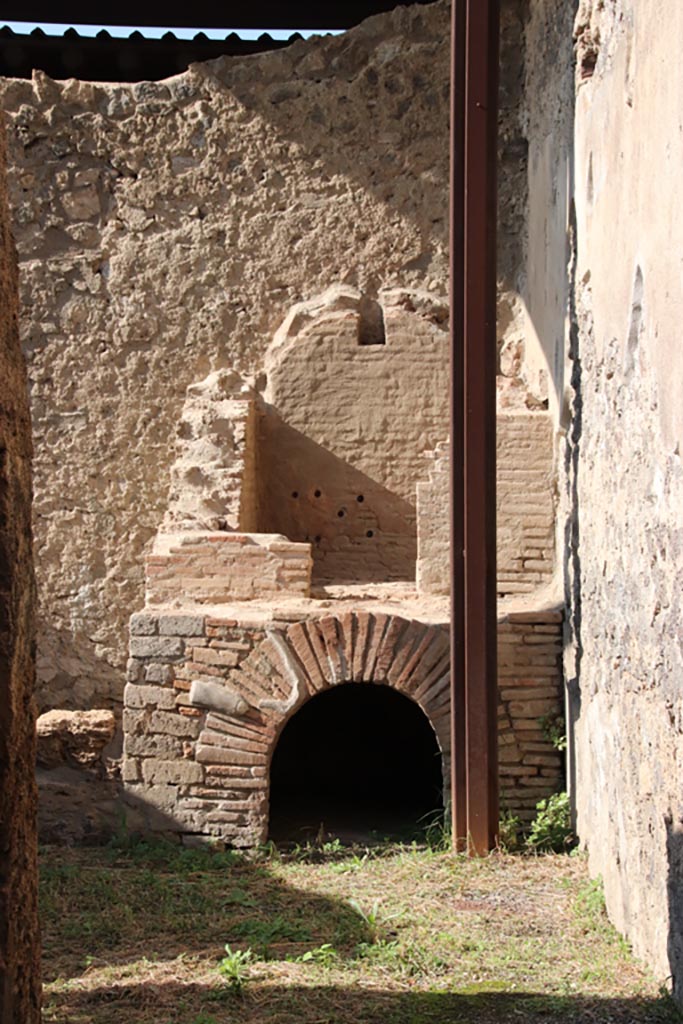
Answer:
(370, 322)
(317, 494)
(360, 498)
(341, 513)
(295, 494)
(370, 533)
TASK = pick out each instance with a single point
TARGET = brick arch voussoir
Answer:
(291, 665)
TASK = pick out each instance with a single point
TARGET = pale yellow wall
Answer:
(626, 481)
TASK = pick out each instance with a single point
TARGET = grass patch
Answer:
(154, 934)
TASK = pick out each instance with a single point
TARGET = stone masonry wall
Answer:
(19, 934)
(625, 479)
(208, 695)
(165, 229)
(213, 483)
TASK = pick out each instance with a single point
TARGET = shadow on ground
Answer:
(159, 901)
(136, 932)
(299, 1004)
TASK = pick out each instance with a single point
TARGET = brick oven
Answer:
(292, 657)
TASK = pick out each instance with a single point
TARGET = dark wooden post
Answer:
(474, 113)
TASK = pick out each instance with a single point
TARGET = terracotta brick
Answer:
(329, 627)
(299, 640)
(435, 675)
(220, 739)
(390, 641)
(317, 642)
(362, 636)
(208, 754)
(419, 662)
(378, 624)
(211, 656)
(346, 635)
(234, 728)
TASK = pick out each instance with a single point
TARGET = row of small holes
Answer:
(318, 494)
(340, 513)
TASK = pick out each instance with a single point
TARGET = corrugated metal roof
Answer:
(238, 14)
(107, 58)
(137, 57)
(254, 14)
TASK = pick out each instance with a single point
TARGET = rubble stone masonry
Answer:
(164, 231)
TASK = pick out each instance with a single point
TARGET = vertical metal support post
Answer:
(473, 429)
(457, 400)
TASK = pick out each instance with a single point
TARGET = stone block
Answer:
(130, 770)
(221, 739)
(156, 647)
(160, 796)
(174, 724)
(133, 670)
(528, 709)
(134, 722)
(146, 745)
(156, 673)
(542, 760)
(217, 697)
(73, 737)
(181, 625)
(143, 624)
(530, 693)
(176, 772)
(138, 695)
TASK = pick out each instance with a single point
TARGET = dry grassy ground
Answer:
(404, 935)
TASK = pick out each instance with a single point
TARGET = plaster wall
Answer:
(625, 559)
(549, 116)
(19, 934)
(164, 230)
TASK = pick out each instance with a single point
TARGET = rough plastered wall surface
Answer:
(19, 934)
(165, 229)
(626, 480)
(549, 114)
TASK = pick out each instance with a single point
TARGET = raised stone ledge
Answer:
(208, 567)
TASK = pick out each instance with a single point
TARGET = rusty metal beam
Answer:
(473, 445)
(457, 394)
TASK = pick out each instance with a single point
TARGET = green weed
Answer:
(509, 832)
(277, 929)
(554, 729)
(551, 828)
(234, 967)
(374, 919)
(324, 955)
